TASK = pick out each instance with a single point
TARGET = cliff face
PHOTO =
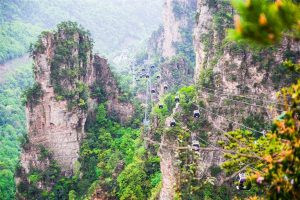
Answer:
(227, 68)
(171, 30)
(177, 17)
(68, 80)
(236, 67)
(53, 121)
(234, 84)
(170, 47)
(121, 110)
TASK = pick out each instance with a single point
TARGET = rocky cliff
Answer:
(70, 81)
(226, 68)
(177, 16)
(170, 47)
(235, 84)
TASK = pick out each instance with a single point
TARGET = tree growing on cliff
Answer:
(274, 160)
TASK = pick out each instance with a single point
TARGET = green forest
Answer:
(12, 126)
(149, 100)
(117, 26)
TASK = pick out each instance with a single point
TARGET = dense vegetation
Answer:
(111, 159)
(15, 39)
(12, 126)
(116, 25)
(16, 34)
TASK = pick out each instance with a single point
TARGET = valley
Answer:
(158, 100)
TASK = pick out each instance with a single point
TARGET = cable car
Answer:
(160, 106)
(195, 145)
(177, 99)
(142, 75)
(173, 123)
(153, 91)
(147, 76)
(165, 87)
(196, 113)
(158, 76)
(242, 181)
(152, 66)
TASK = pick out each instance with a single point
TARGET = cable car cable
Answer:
(244, 96)
(261, 106)
(230, 120)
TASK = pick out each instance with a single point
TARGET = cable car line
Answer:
(223, 150)
(261, 106)
(195, 145)
(233, 90)
(230, 120)
(244, 96)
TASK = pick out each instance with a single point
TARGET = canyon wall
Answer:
(226, 68)
(235, 84)
(177, 20)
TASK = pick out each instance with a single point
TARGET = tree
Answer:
(101, 115)
(132, 180)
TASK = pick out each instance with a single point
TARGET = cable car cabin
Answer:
(153, 91)
(173, 123)
(158, 76)
(147, 76)
(165, 87)
(242, 182)
(196, 113)
(160, 106)
(152, 66)
(177, 99)
(195, 145)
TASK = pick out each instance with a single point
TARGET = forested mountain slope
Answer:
(117, 26)
(208, 110)
(235, 88)
(12, 125)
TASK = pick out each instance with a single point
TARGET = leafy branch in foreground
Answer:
(279, 169)
(265, 22)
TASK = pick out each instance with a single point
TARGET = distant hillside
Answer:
(117, 26)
